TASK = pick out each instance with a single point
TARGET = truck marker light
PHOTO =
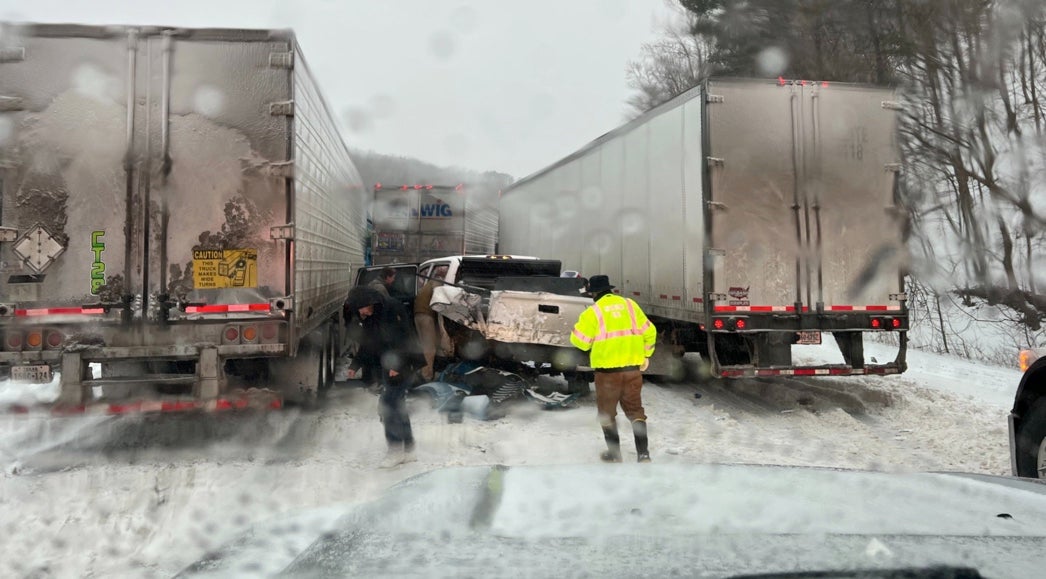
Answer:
(231, 334)
(877, 323)
(718, 323)
(14, 341)
(1025, 359)
(250, 333)
(54, 339)
(34, 339)
(740, 324)
(896, 323)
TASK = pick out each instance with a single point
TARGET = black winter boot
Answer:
(613, 452)
(639, 431)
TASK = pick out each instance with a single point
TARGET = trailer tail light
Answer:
(231, 335)
(250, 334)
(886, 323)
(54, 339)
(269, 332)
(34, 339)
(13, 341)
(731, 324)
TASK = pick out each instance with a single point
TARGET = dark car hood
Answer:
(626, 520)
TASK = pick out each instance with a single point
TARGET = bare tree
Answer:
(669, 67)
(974, 146)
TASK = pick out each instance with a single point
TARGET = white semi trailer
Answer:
(744, 216)
(177, 206)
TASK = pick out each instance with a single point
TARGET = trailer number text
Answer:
(98, 266)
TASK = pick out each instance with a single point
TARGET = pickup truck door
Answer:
(404, 287)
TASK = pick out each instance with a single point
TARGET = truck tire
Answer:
(1030, 441)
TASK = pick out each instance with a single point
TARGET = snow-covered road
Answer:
(145, 496)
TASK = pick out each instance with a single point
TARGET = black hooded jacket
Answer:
(387, 336)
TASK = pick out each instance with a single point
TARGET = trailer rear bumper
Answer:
(831, 370)
(856, 321)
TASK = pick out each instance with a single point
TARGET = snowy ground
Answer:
(146, 496)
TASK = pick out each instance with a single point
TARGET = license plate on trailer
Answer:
(39, 374)
(809, 339)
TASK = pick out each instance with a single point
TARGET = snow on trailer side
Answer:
(173, 200)
(737, 215)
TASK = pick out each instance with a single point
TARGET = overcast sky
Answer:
(484, 84)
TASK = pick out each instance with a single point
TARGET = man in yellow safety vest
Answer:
(620, 340)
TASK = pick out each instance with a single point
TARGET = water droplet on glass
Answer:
(592, 197)
(442, 45)
(632, 221)
(566, 206)
(92, 81)
(358, 119)
(383, 106)
(209, 101)
(464, 18)
(772, 61)
(599, 241)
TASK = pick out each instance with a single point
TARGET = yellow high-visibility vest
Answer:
(616, 331)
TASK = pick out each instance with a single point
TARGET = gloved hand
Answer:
(644, 365)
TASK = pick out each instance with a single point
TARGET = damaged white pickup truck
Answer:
(509, 312)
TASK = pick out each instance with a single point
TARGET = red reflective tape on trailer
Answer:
(726, 308)
(676, 298)
(698, 300)
(225, 308)
(635, 294)
(178, 406)
(731, 373)
(840, 371)
(276, 404)
(58, 311)
(664, 296)
(872, 308)
(124, 408)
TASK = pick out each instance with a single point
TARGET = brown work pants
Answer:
(428, 335)
(625, 388)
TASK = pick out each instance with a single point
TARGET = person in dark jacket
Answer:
(386, 331)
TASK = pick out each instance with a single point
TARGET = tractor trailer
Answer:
(744, 216)
(178, 209)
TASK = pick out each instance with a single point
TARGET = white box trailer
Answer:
(177, 205)
(414, 223)
(744, 216)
